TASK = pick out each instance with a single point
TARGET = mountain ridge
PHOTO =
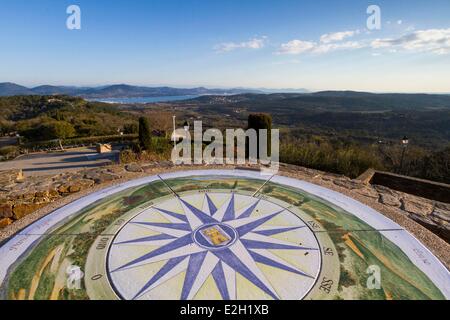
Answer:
(115, 91)
(131, 91)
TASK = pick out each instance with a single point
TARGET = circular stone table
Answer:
(218, 234)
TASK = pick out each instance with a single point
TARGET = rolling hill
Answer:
(12, 89)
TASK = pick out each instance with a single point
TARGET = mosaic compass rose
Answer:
(218, 246)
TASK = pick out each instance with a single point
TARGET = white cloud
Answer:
(431, 40)
(255, 43)
(399, 22)
(296, 47)
(337, 36)
(348, 45)
(328, 42)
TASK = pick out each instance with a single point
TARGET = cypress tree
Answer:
(145, 138)
(259, 121)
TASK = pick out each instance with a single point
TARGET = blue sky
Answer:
(316, 45)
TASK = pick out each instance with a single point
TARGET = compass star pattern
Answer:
(244, 246)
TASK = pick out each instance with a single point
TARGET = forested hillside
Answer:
(50, 117)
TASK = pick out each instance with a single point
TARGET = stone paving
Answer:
(53, 163)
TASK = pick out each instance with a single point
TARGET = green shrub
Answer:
(161, 145)
(8, 151)
(349, 160)
(130, 138)
(50, 130)
(131, 128)
(160, 151)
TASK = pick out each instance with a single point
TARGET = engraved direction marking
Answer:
(314, 225)
(146, 205)
(326, 285)
(102, 243)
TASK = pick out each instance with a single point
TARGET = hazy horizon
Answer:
(275, 90)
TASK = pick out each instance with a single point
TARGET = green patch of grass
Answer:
(46, 284)
(22, 276)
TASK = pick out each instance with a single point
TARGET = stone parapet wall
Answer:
(433, 215)
(410, 185)
(21, 197)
